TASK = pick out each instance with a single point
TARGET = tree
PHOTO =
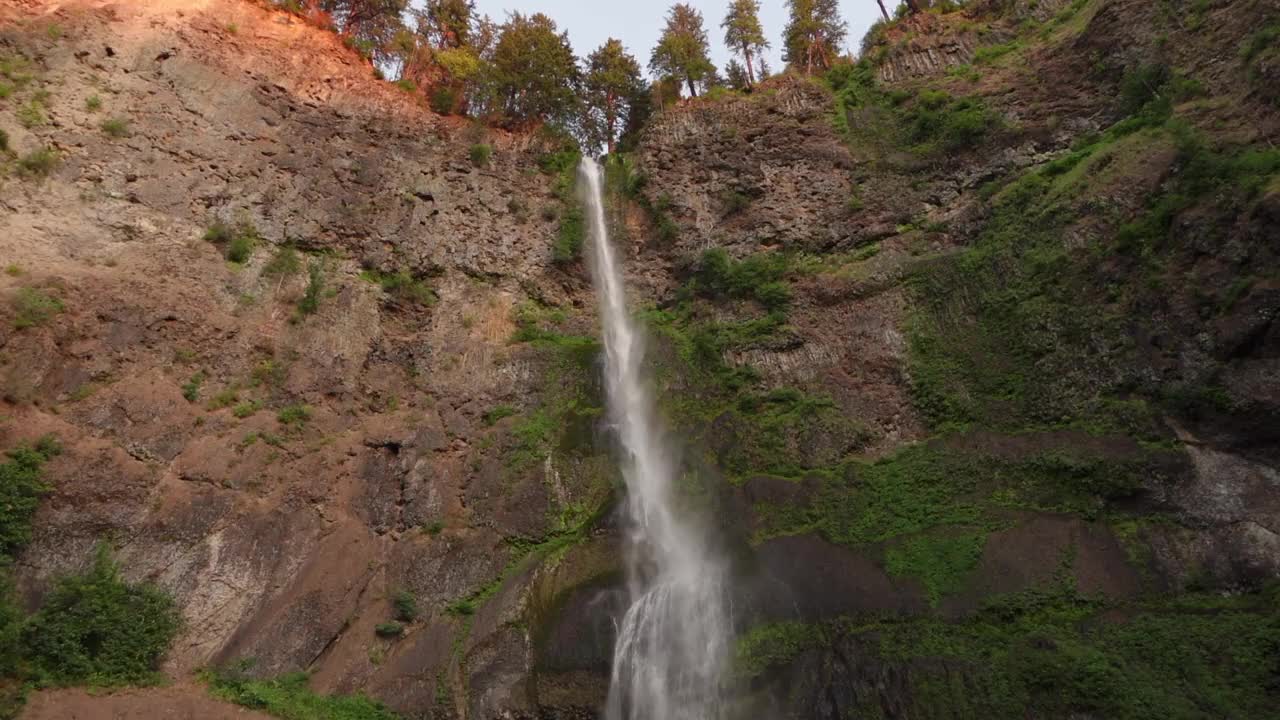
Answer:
(682, 51)
(736, 76)
(813, 34)
(883, 10)
(612, 81)
(744, 34)
(447, 23)
(533, 75)
(913, 6)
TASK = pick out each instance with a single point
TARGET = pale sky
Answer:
(639, 22)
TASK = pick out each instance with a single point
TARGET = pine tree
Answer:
(744, 34)
(682, 52)
(736, 76)
(612, 81)
(814, 34)
(533, 74)
(447, 23)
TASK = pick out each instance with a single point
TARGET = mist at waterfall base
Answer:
(672, 645)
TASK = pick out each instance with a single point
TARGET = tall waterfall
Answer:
(672, 643)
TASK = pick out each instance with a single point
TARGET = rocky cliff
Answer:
(973, 348)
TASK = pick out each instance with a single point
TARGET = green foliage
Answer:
(98, 630)
(294, 415)
(407, 85)
(481, 154)
(494, 414)
(224, 399)
(404, 287)
(682, 50)
(406, 606)
(33, 307)
(941, 562)
(570, 238)
(814, 34)
(289, 698)
(389, 630)
(758, 277)
(20, 491)
(610, 92)
(990, 53)
(115, 127)
(191, 389)
(239, 240)
(284, 263)
(532, 74)
(772, 645)
(939, 122)
(1051, 653)
(310, 301)
(246, 409)
(93, 103)
(38, 163)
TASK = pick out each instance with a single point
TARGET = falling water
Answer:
(669, 657)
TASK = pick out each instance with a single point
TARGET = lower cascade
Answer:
(672, 643)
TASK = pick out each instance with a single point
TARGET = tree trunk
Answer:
(611, 120)
(913, 6)
(693, 89)
(882, 10)
(751, 72)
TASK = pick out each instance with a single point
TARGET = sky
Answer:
(637, 23)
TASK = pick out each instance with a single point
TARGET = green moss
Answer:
(494, 414)
(772, 645)
(404, 287)
(289, 698)
(941, 562)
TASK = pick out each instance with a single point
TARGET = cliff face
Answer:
(979, 372)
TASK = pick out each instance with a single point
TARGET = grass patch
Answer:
(115, 127)
(284, 263)
(481, 155)
(294, 415)
(493, 415)
(93, 103)
(404, 287)
(238, 241)
(289, 698)
(309, 304)
(942, 562)
(38, 163)
(34, 307)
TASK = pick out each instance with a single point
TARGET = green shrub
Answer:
(443, 100)
(268, 373)
(240, 239)
(20, 491)
(289, 698)
(493, 415)
(434, 527)
(284, 263)
(31, 115)
(389, 630)
(246, 409)
(294, 415)
(403, 286)
(96, 629)
(407, 85)
(191, 390)
(116, 127)
(481, 154)
(93, 103)
(570, 238)
(38, 163)
(33, 307)
(224, 399)
(310, 301)
(406, 606)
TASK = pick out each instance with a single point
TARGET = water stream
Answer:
(672, 643)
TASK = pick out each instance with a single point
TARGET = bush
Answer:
(34, 307)
(20, 492)
(240, 239)
(310, 301)
(493, 415)
(443, 100)
(406, 606)
(116, 127)
(191, 390)
(407, 85)
(389, 630)
(93, 103)
(283, 264)
(571, 237)
(294, 415)
(403, 286)
(38, 163)
(481, 154)
(96, 629)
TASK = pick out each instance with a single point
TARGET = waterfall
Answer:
(673, 641)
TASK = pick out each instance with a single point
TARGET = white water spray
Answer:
(669, 660)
